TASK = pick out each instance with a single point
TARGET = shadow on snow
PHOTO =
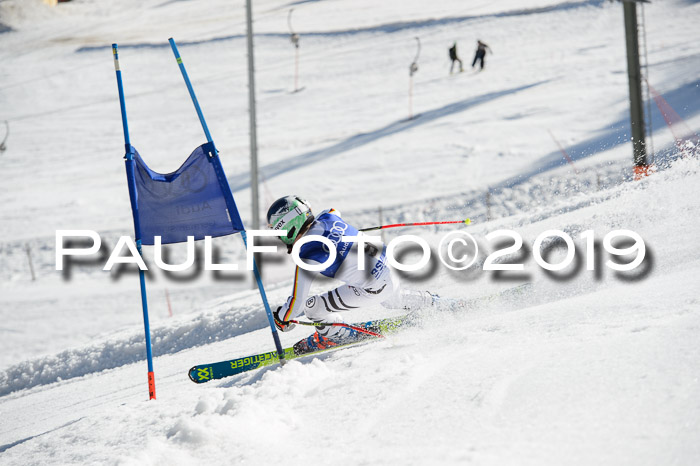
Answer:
(242, 181)
(614, 135)
(388, 28)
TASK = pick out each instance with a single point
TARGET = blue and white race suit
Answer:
(377, 283)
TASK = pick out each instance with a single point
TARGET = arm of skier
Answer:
(294, 307)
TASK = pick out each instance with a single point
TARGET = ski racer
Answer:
(377, 283)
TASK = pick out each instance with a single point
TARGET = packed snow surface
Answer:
(576, 367)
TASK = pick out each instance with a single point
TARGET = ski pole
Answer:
(416, 224)
(337, 324)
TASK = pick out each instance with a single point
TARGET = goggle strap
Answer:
(292, 213)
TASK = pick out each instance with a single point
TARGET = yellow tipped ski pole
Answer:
(417, 224)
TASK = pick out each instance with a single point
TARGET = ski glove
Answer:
(279, 323)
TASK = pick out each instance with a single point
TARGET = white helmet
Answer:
(290, 213)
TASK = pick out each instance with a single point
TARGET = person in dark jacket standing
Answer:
(455, 58)
(481, 49)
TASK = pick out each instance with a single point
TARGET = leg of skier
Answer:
(377, 284)
(327, 307)
(414, 300)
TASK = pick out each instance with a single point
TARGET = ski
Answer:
(307, 346)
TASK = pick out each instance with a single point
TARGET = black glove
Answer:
(281, 325)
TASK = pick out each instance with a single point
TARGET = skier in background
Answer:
(377, 283)
(455, 58)
(481, 49)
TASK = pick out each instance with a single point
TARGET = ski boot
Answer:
(314, 342)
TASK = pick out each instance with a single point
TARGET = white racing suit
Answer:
(375, 284)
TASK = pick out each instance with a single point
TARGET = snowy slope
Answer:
(595, 369)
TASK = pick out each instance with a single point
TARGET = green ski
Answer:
(307, 346)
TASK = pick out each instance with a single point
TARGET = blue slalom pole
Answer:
(137, 223)
(223, 182)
